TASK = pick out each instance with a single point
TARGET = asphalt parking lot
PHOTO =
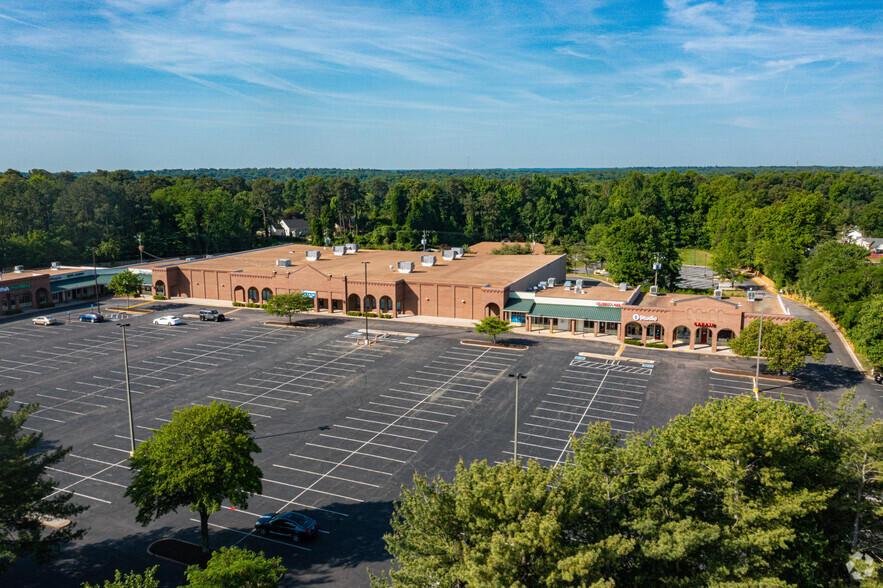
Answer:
(341, 426)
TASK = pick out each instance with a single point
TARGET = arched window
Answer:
(253, 294)
(266, 293)
(160, 288)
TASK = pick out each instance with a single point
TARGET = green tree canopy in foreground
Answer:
(785, 347)
(199, 459)
(288, 304)
(130, 580)
(739, 492)
(492, 327)
(868, 331)
(236, 568)
(26, 496)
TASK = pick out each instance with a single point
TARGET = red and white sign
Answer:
(704, 324)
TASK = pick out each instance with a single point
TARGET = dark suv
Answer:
(210, 315)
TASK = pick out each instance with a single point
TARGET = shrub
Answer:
(159, 297)
(238, 304)
(12, 311)
(372, 315)
(386, 316)
(633, 342)
(46, 305)
(353, 313)
(657, 345)
(252, 305)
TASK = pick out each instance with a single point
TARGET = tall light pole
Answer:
(95, 273)
(517, 376)
(128, 390)
(759, 335)
(140, 249)
(365, 299)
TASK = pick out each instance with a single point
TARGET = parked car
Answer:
(168, 320)
(291, 524)
(211, 315)
(45, 320)
(92, 317)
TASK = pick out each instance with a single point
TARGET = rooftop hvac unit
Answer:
(405, 267)
(392, 268)
(752, 296)
(283, 262)
(427, 260)
(313, 255)
(623, 286)
(352, 247)
(339, 249)
(654, 291)
(19, 269)
(567, 285)
(56, 265)
(458, 252)
(189, 258)
(541, 285)
(718, 293)
(448, 254)
(579, 282)
(551, 282)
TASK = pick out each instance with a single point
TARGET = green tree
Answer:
(492, 327)
(130, 580)
(199, 459)
(288, 304)
(631, 245)
(126, 283)
(234, 568)
(868, 331)
(785, 347)
(27, 498)
(835, 275)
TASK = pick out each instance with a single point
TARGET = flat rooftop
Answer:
(45, 272)
(494, 270)
(592, 290)
(770, 303)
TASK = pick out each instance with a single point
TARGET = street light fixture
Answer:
(128, 391)
(517, 376)
(759, 336)
(365, 299)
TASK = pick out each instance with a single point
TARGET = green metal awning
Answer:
(81, 282)
(608, 314)
(519, 305)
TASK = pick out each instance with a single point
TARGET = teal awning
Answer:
(518, 305)
(608, 314)
(81, 282)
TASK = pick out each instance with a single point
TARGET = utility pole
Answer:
(656, 267)
(423, 241)
(95, 273)
(128, 391)
(533, 242)
(140, 249)
(759, 336)
(517, 376)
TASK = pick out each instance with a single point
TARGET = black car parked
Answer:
(290, 524)
(210, 315)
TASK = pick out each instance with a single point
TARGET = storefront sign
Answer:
(309, 293)
(16, 287)
(641, 317)
(704, 324)
(608, 304)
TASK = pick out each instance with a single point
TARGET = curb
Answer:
(744, 374)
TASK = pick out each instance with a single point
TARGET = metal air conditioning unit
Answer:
(567, 285)
(718, 293)
(339, 249)
(623, 286)
(579, 282)
(448, 255)
(654, 291)
(427, 260)
(283, 263)
(458, 252)
(405, 267)
(551, 282)
(542, 285)
(352, 247)
(19, 269)
(313, 255)
(56, 265)
(752, 296)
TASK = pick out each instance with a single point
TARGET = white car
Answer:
(45, 320)
(167, 320)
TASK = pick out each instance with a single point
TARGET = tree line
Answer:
(767, 220)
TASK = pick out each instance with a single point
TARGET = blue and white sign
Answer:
(309, 293)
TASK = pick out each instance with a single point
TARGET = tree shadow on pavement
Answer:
(819, 378)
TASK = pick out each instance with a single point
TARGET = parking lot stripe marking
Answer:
(355, 452)
(405, 408)
(338, 437)
(276, 465)
(312, 489)
(252, 533)
(250, 403)
(385, 434)
(116, 465)
(91, 497)
(86, 477)
(92, 477)
(126, 451)
(72, 400)
(408, 417)
(346, 465)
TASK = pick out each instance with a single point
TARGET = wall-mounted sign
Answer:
(608, 304)
(309, 293)
(704, 324)
(16, 287)
(641, 317)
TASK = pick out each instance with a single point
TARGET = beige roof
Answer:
(485, 247)
(44, 272)
(592, 290)
(495, 270)
(770, 303)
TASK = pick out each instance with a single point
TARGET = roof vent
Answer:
(405, 267)
(189, 258)
(567, 285)
(313, 255)
(623, 286)
(283, 262)
(339, 249)
(551, 282)
(654, 291)
(352, 247)
(56, 265)
(718, 293)
(448, 254)
(579, 282)
(19, 269)
(542, 285)
(427, 260)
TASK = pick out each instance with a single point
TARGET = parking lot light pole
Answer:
(365, 299)
(759, 335)
(517, 377)
(95, 273)
(128, 391)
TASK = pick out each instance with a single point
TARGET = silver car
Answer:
(45, 320)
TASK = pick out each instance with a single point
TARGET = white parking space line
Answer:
(253, 535)
(276, 465)
(311, 489)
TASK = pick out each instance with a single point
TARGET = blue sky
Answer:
(146, 84)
